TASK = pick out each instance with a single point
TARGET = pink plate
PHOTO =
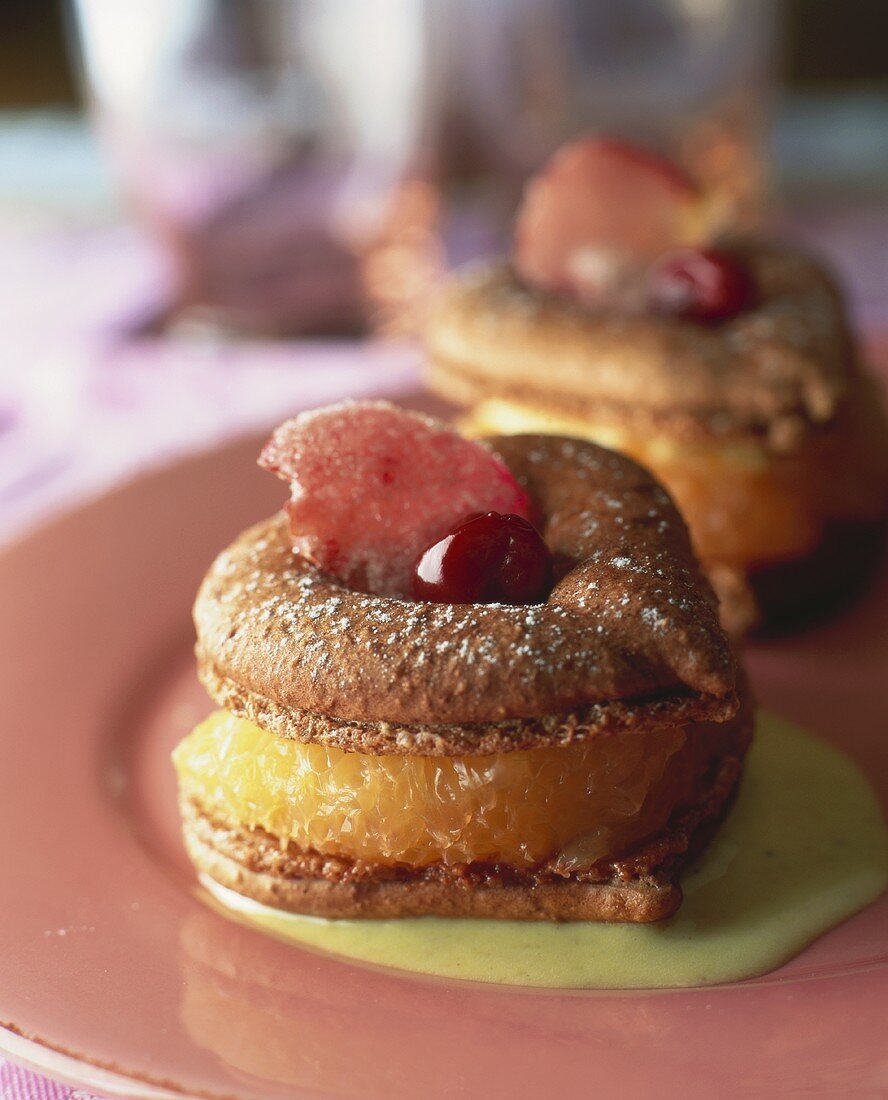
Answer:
(116, 976)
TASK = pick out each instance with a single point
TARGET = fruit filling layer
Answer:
(579, 802)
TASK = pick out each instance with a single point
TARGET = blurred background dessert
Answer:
(724, 364)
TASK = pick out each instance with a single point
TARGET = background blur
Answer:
(190, 189)
(308, 167)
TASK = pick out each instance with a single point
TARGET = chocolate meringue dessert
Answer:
(459, 678)
(725, 365)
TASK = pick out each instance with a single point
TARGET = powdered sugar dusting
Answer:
(630, 617)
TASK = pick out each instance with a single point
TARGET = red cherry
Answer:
(700, 285)
(486, 558)
(372, 484)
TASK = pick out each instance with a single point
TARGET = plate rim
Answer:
(33, 1051)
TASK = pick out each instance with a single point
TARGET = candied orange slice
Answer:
(519, 808)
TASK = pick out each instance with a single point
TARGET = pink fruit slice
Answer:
(599, 210)
(371, 486)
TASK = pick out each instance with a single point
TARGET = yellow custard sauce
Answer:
(804, 847)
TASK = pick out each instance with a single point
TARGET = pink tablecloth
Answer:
(84, 402)
(20, 1084)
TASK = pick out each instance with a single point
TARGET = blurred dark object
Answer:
(830, 45)
(825, 44)
(35, 67)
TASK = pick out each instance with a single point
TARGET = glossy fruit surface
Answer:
(700, 285)
(591, 798)
(372, 485)
(486, 558)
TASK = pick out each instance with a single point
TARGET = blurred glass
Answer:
(692, 78)
(307, 161)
